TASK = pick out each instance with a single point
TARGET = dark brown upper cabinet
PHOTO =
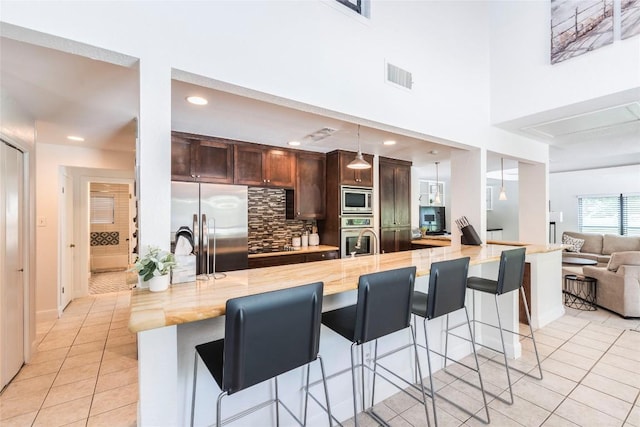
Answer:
(260, 166)
(310, 192)
(357, 177)
(395, 193)
(201, 158)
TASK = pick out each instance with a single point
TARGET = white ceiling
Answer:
(73, 95)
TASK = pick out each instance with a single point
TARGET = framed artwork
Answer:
(579, 26)
(629, 18)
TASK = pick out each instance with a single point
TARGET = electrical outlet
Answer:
(42, 221)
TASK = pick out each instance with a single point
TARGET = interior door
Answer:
(12, 274)
(68, 247)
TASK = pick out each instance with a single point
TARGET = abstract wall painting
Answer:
(629, 18)
(580, 26)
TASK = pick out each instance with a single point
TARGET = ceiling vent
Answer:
(320, 134)
(588, 122)
(398, 76)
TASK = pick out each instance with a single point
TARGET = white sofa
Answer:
(618, 287)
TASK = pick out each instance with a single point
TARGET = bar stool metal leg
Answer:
(193, 392)
(433, 390)
(504, 350)
(277, 403)
(475, 356)
(535, 347)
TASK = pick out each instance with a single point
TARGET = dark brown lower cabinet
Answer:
(526, 285)
(395, 240)
(272, 261)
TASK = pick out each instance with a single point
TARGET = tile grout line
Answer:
(578, 383)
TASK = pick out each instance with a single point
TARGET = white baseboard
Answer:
(47, 315)
(548, 316)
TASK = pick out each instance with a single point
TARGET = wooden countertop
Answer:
(433, 241)
(193, 301)
(307, 250)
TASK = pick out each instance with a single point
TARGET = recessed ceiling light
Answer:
(197, 100)
(433, 152)
(389, 142)
(75, 138)
(294, 143)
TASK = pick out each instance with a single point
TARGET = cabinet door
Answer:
(248, 165)
(387, 196)
(402, 193)
(321, 256)
(310, 186)
(403, 239)
(357, 177)
(388, 240)
(213, 161)
(280, 168)
(181, 159)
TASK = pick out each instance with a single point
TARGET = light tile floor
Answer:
(85, 374)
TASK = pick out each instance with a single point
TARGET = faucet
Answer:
(376, 247)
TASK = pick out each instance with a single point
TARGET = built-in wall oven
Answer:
(356, 200)
(351, 226)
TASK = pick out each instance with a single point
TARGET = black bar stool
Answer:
(266, 335)
(446, 294)
(509, 279)
(383, 307)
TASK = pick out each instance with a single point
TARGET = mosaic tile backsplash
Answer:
(268, 226)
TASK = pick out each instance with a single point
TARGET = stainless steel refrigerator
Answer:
(216, 214)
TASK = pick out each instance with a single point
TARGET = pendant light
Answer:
(503, 193)
(437, 199)
(359, 162)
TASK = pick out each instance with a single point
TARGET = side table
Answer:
(579, 292)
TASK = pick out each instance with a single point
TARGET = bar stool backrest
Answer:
(447, 287)
(270, 333)
(511, 270)
(384, 303)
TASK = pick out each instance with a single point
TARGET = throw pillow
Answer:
(623, 258)
(574, 244)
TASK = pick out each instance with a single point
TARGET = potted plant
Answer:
(154, 268)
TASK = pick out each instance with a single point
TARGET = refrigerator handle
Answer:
(205, 243)
(196, 235)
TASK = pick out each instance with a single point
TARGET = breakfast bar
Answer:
(169, 324)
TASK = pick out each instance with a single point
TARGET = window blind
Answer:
(631, 215)
(610, 214)
(102, 210)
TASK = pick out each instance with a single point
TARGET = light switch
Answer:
(42, 221)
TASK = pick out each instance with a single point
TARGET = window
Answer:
(610, 214)
(355, 5)
(102, 210)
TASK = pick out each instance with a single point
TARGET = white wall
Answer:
(50, 159)
(523, 81)
(565, 187)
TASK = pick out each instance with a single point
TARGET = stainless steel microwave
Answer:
(356, 200)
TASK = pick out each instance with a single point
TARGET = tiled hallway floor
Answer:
(85, 374)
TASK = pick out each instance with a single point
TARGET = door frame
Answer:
(66, 215)
(82, 196)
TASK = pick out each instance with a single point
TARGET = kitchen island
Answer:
(171, 323)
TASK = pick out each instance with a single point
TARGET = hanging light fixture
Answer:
(437, 199)
(359, 162)
(503, 193)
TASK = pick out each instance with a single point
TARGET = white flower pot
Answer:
(159, 283)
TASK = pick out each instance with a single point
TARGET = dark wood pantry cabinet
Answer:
(395, 205)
